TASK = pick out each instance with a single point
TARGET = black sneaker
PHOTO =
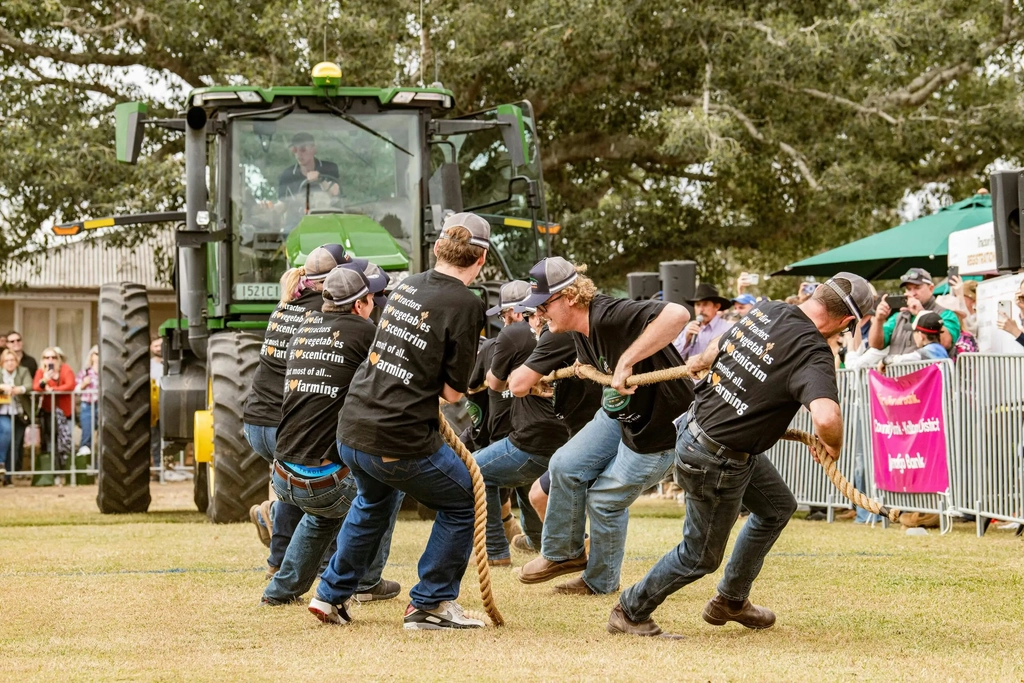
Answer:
(328, 613)
(448, 614)
(384, 590)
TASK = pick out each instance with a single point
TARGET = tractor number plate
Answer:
(261, 291)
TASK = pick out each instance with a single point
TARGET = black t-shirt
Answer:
(289, 183)
(30, 363)
(322, 358)
(535, 429)
(263, 406)
(576, 400)
(769, 364)
(646, 415)
(493, 407)
(427, 337)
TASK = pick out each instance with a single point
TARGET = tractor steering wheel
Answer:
(316, 185)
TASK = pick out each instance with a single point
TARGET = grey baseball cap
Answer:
(512, 293)
(324, 259)
(861, 298)
(550, 276)
(916, 276)
(479, 229)
(345, 286)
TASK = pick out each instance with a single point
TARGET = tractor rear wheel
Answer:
(238, 477)
(124, 399)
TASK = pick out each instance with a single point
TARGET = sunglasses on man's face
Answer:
(49, 357)
(16, 340)
(543, 308)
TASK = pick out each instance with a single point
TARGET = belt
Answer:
(713, 446)
(331, 479)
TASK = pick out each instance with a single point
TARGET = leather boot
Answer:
(541, 569)
(618, 623)
(717, 612)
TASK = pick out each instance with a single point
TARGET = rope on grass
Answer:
(480, 522)
(680, 372)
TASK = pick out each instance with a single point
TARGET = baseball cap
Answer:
(376, 278)
(324, 259)
(745, 299)
(549, 276)
(928, 322)
(859, 301)
(916, 276)
(511, 294)
(345, 286)
(302, 139)
(479, 229)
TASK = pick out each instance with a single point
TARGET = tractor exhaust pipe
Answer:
(192, 259)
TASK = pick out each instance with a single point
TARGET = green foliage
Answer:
(732, 133)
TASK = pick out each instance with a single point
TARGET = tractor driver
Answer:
(321, 175)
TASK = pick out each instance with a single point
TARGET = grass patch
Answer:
(166, 596)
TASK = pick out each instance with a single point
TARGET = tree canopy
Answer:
(737, 132)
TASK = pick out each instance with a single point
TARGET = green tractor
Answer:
(391, 164)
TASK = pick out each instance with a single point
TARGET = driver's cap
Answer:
(324, 259)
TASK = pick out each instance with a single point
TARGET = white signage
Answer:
(997, 295)
(974, 250)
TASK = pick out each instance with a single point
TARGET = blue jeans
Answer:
(596, 453)
(440, 482)
(715, 488)
(88, 423)
(7, 443)
(502, 465)
(286, 516)
(325, 511)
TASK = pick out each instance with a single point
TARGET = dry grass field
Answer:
(168, 597)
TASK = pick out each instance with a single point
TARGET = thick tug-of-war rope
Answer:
(835, 476)
(483, 570)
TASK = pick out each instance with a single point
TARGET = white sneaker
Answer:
(328, 613)
(448, 614)
(84, 450)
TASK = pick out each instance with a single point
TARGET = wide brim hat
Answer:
(706, 292)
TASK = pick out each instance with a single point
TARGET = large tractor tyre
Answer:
(238, 477)
(201, 487)
(124, 399)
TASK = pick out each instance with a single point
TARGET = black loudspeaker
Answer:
(678, 280)
(643, 285)
(1006, 218)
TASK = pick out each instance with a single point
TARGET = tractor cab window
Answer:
(495, 188)
(309, 164)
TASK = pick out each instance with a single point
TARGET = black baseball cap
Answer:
(512, 293)
(376, 278)
(345, 286)
(550, 276)
(916, 276)
(324, 259)
(928, 322)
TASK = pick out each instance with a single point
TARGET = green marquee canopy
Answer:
(921, 243)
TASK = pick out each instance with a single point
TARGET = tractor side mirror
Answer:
(129, 120)
(513, 132)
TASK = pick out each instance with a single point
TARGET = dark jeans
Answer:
(325, 510)
(503, 465)
(286, 516)
(715, 488)
(441, 482)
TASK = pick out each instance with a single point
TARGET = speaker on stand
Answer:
(1006, 201)
(643, 285)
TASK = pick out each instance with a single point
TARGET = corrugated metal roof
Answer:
(89, 263)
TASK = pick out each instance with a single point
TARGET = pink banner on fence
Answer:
(908, 432)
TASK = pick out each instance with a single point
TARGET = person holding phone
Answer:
(1008, 324)
(55, 375)
(894, 327)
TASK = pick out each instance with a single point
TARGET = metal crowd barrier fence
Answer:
(44, 444)
(991, 421)
(806, 479)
